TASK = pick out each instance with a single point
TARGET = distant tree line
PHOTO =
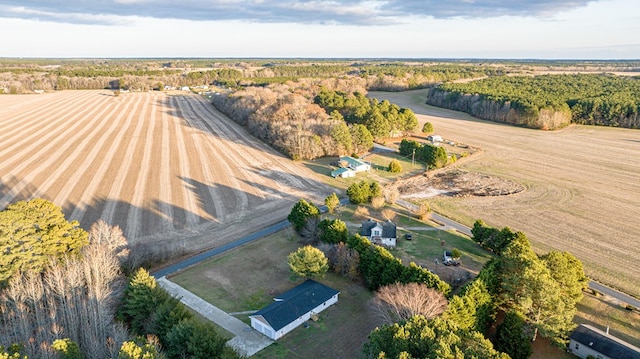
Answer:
(27, 75)
(546, 101)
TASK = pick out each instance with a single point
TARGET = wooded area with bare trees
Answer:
(73, 297)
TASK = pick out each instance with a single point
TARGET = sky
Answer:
(491, 29)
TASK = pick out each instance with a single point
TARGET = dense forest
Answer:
(546, 101)
(307, 119)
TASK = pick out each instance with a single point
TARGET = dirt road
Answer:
(582, 187)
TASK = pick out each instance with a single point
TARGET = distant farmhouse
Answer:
(587, 341)
(293, 308)
(381, 233)
(353, 165)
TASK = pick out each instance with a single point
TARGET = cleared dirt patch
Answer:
(456, 183)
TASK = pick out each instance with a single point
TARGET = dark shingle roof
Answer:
(388, 228)
(291, 305)
(605, 344)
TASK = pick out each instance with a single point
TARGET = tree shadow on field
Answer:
(8, 184)
(293, 181)
(218, 196)
(203, 117)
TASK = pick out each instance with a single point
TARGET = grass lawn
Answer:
(427, 244)
(248, 278)
(379, 163)
(623, 323)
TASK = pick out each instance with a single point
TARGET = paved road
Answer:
(614, 293)
(175, 267)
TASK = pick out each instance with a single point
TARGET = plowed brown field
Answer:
(582, 187)
(169, 169)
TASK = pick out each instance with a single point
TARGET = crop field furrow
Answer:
(89, 197)
(163, 203)
(220, 167)
(83, 154)
(48, 105)
(285, 170)
(41, 132)
(242, 155)
(251, 157)
(45, 156)
(189, 203)
(134, 216)
(209, 187)
(91, 154)
(126, 166)
(198, 186)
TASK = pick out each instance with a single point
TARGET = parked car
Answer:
(448, 260)
(408, 236)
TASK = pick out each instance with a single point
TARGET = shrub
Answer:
(333, 231)
(332, 202)
(301, 212)
(427, 127)
(394, 166)
(391, 195)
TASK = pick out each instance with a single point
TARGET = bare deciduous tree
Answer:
(112, 238)
(388, 214)
(391, 194)
(396, 302)
(362, 212)
(377, 202)
(75, 298)
(310, 232)
(423, 212)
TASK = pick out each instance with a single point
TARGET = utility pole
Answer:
(413, 158)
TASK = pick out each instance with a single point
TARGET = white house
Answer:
(590, 341)
(381, 233)
(293, 308)
(356, 164)
(435, 138)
